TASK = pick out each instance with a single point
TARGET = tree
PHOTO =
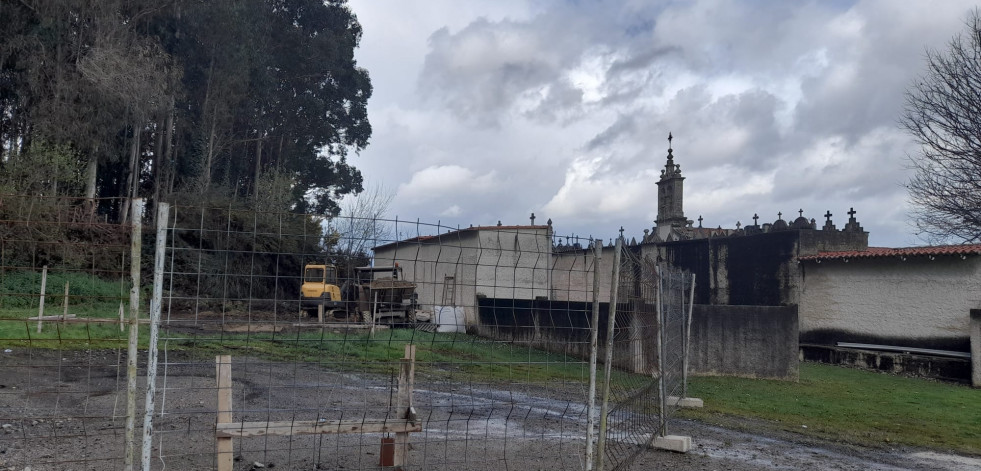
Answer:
(943, 114)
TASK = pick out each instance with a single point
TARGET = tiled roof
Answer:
(881, 252)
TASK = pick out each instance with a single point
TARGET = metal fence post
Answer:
(593, 341)
(608, 361)
(134, 328)
(662, 387)
(163, 213)
(687, 339)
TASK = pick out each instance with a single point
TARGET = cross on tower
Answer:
(828, 215)
(755, 219)
(621, 232)
(801, 212)
(779, 215)
(738, 225)
(532, 219)
(699, 220)
(669, 140)
(851, 213)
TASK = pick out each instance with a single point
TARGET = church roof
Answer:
(883, 252)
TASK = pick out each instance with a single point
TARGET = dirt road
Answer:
(66, 411)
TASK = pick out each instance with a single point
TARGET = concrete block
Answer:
(677, 443)
(975, 328)
(686, 402)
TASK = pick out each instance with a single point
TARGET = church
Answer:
(909, 310)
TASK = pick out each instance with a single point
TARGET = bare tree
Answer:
(943, 114)
(360, 225)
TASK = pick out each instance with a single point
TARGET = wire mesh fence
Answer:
(278, 339)
(646, 355)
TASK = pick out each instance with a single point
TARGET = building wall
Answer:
(491, 263)
(572, 275)
(916, 303)
(751, 270)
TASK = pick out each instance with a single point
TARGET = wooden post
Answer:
(40, 308)
(64, 313)
(122, 321)
(223, 366)
(320, 313)
(403, 403)
(135, 246)
(374, 314)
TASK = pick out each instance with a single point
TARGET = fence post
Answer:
(608, 362)
(134, 329)
(40, 308)
(662, 389)
(163, 213)
(687, 339)
(593, 338)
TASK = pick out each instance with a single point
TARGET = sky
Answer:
(487, 111)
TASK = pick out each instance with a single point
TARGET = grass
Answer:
(848, 405)
(437, 354)
(88, 296)
(840, 404)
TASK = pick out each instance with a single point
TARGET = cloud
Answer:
(563, 108)
(444, 181)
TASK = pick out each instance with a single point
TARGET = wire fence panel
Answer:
(647, 355)
(316, 328)
(64, 293)
(229, 338)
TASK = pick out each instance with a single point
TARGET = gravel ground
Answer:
(66, 411)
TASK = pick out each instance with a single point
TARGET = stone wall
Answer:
(748, 341)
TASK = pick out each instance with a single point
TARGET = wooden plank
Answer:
(314, 427)
(57, 317)
(223, 367)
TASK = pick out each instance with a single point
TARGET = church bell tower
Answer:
(670, 189)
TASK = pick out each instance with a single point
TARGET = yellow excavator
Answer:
(375, 292)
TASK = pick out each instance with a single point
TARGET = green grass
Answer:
(848, 405)
(88, 297)
(437, 354)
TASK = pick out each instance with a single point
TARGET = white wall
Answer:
(888, 297)
(496, 263)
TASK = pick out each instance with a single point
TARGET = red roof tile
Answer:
(880, 252)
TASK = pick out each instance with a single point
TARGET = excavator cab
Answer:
(320, 288)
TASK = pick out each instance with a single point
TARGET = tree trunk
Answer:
(258, 164)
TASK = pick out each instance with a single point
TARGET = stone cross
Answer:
(828, 215)
(801, 212)
(738, 225)
(755, 219)
(779, 215)
(621, 232)
(532, 219)
(851, 213)
(699, 220)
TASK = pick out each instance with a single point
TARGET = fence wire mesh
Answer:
(647, 355)
(301, 342)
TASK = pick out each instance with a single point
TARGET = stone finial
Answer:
(828, 225)
(853, 225)
(549, 222)
(738, 225)
(499, 223)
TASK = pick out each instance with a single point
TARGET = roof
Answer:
(423, 239)
(884, 252)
